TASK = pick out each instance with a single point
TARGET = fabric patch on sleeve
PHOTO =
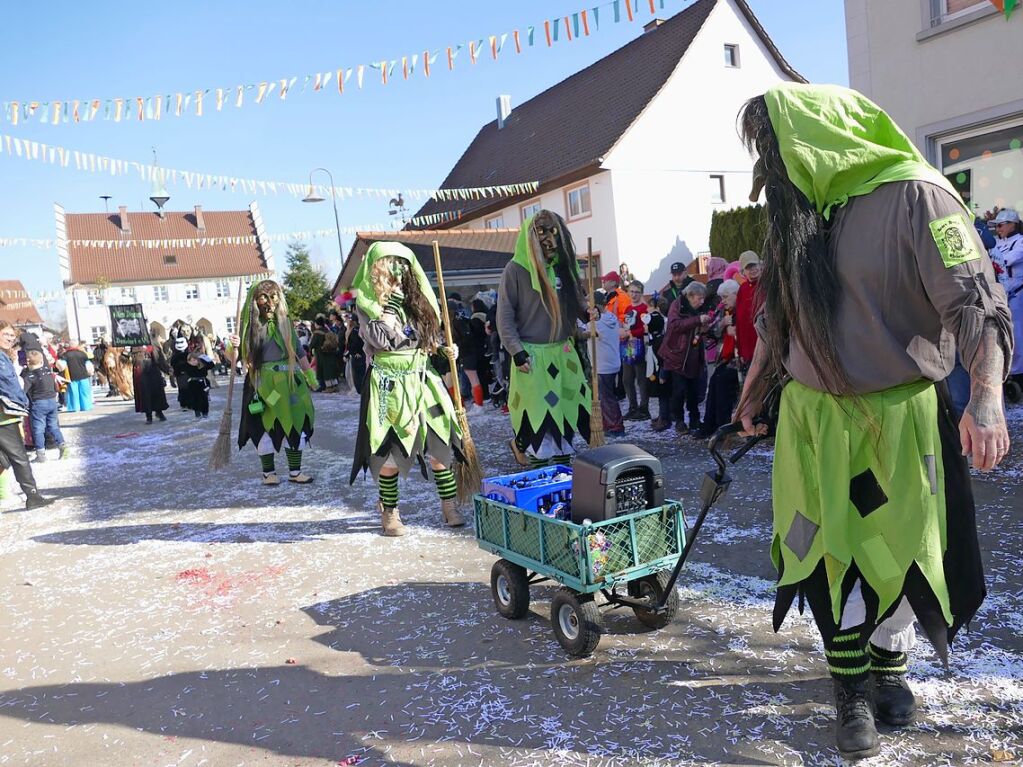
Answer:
(955, 243)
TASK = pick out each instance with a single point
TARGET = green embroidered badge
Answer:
(952, 236)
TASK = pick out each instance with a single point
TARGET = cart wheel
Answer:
(510, 587)
(576, 622)
(653, 586)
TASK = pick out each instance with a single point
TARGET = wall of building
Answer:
(945, 84)
(598, 225)
(662, 167)
(82, 317)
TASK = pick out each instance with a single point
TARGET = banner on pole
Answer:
(128, 325)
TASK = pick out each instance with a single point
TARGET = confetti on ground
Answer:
(168, 609)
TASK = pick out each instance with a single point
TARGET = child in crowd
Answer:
(197, 383)
(609, 363)
(41, 388)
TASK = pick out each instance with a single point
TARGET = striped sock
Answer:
(388, 487)
(267, 462)
(446, 486)
(847, 661)
(537, 463)
(562, 460)
(294, 461)
(887, 661)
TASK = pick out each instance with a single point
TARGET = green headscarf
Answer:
(367, 300)
(523, 258)
(836, 144)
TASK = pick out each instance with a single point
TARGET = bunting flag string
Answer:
(201, 101)
(27, 149)
(193, 242)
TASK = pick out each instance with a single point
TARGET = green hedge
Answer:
(733, 231)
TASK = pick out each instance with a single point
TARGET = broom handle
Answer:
(455, 388)
(237, 352)
(593, 322)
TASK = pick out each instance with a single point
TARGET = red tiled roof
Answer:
(16, 305)
(138, 263)
(564, 133)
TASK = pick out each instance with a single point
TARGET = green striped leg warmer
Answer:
(446, 486)
(562, 460)
(294, 461)
(847, 661)
(267, 462)
(388, 487)
(887, 661)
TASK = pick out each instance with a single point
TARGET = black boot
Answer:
(894, 703)
(855, 733)
(36, 500)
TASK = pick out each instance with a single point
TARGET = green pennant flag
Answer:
(1010, 6)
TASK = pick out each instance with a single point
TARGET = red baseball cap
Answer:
(611, 277)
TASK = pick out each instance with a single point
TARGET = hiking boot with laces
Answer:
(855, 732)
(450, 514)
(894, 702)
(390, 521)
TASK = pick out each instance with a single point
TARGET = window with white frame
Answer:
(530, 209)
(229, 322)
(717, 188)
(494, 222)
(731, 55)
(943, 11)
(578, 201)
(94, 297)
(97, 332)
(985, 165)
(223, 289)
(128, 294)
(191, 292)
(160, 293)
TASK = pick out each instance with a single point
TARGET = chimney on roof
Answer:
(122, 211)
(503, 110)
(200, 222)
(653, 24)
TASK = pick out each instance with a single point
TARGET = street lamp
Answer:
(313, 197)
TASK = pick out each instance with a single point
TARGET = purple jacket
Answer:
(682, 348)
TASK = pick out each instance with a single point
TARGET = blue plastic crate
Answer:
(530, 498)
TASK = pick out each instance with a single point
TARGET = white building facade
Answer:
(648, 199)
(949, 73)
(188, 266)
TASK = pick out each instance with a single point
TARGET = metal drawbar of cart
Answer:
(643, 551)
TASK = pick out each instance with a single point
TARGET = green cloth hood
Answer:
(836, 144)
(367, 300)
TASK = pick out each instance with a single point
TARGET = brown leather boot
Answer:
(390, 520)
(450, 514)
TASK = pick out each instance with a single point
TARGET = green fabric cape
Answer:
(837, 143)
(522, 257)
(367, 300)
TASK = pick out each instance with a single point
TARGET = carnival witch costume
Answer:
(538, 305)
(407, 416)
(277, 407)
(873, 277)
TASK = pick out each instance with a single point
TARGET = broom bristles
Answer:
(596, 425)
(220, 456)
(468, 473)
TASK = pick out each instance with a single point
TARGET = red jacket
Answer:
(747, 306)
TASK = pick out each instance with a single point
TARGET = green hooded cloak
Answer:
(890, 508)
(837, 144)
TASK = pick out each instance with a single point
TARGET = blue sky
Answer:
(403, 135)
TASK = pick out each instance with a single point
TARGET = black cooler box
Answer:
(613, 480)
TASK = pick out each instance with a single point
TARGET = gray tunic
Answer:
(521, 316)
(905, 307)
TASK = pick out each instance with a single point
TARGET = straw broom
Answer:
(596, 414)
(468, 473)
(220, 456)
